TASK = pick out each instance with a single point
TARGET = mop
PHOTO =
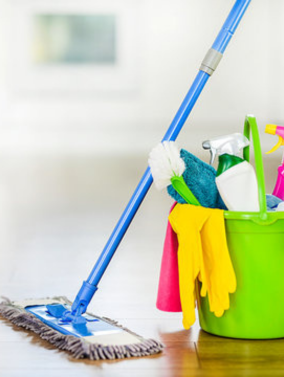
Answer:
(67, 325)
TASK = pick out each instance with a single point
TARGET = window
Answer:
(74, 39)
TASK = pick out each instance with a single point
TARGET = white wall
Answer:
(50, 112)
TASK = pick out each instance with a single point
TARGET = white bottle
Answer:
(237, 186)
(235, 178)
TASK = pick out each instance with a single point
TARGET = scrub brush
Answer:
(167, 168)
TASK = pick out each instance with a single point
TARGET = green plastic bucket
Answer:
(256, 246)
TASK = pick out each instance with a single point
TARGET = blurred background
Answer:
(87, 88)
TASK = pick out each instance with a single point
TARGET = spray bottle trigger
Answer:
(278, 145)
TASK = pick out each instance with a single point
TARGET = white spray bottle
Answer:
(235, 178)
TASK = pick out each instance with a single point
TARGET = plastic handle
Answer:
(181, 187)
(251, 127)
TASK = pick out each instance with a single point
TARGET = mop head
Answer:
(200, 178)
(100, 339)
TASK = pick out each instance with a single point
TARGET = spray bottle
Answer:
(279, 186)
(235, 178)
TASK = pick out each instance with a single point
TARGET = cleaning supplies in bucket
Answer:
(255, 241)
(248, 236)
(279, 131)
(235, 179)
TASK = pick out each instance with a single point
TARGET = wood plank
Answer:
(241, 354)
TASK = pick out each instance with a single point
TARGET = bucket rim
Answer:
(257, 217)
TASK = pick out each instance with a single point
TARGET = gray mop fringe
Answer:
(78, 348)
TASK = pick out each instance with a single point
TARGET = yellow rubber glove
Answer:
(202, 254)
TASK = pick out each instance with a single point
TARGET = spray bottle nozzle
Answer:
(231, 144)
(206, 145)
(275, 130)
(270, 129)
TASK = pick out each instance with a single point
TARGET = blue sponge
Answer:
(200, 178)
(272, 202)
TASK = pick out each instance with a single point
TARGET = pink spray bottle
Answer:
(279, 186)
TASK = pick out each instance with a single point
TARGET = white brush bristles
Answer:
(165, 162)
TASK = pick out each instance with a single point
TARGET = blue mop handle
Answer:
(208, 66)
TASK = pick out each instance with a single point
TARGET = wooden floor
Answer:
(56, 215)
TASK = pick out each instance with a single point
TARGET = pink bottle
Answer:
(279, 186)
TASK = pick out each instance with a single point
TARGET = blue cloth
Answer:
(272, 202)
(200, 178)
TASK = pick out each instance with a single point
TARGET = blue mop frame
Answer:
(89, 286)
